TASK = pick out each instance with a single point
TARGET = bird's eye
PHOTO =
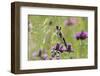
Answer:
(57, 27)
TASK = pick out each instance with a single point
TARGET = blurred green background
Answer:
(43, 35)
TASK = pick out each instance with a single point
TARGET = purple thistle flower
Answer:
(57, 46)
(61, 48)
(45, 56)
(81, 35)
(69, 48)
(34, 54)
(78, 35)
(70, 21)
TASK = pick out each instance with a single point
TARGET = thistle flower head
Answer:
(70, 21)
(69, 47)
(34, 54)
(59, 47)
(45, 56)
(81, 35)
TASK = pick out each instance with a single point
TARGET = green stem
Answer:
(80, 48)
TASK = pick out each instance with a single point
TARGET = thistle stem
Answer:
(80, 48)
(69, 55)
